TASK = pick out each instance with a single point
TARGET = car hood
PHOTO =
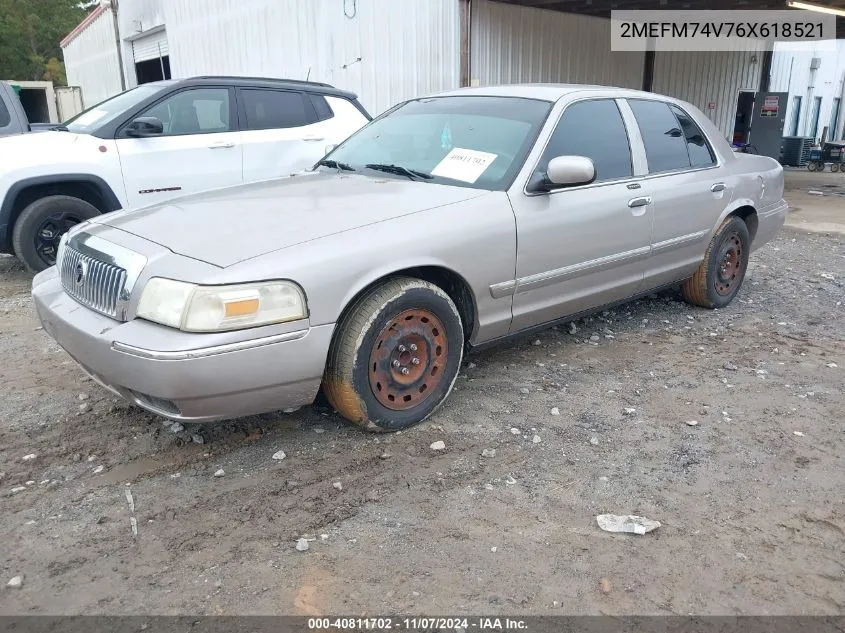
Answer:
(226, 226)
(27, 149)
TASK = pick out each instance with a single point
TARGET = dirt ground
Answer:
(750, 499)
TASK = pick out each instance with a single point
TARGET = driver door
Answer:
(583, 246)
(199, 149)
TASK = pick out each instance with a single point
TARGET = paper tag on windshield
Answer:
(90, 117)
(466, 165)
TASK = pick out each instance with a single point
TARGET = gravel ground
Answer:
(583, 423)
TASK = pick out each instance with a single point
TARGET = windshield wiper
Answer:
(413, 174)
(333, 164)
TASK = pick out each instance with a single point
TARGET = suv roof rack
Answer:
(279, 79)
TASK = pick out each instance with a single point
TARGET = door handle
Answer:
(717, 187)
(313, 139)
(221, 146)
(639, 202)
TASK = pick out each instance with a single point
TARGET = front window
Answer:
(478, 142)
(106, 111)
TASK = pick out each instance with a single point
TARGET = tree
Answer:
(30, 32)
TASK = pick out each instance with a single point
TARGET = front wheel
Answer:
(40, 226)
(720, 274)
(395, 356)
(835, 167)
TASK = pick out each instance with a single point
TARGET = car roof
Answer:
(260, 82)
(546, 92)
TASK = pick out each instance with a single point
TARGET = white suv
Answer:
(158, 141)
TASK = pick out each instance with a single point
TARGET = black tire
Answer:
(812, 166)
(720, 274)
(835, 167)
(384, 332)
(40, 226)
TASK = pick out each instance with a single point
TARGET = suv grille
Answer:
(93, 283)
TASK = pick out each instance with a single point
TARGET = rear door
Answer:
(199, 149)
(686, 185)
(282, 132)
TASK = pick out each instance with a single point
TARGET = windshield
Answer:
(106, 111)
(478, 142)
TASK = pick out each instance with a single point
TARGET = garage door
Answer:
(150, 46)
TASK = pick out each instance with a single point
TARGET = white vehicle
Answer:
(158, 141)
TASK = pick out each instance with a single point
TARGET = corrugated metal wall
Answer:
(514, 44)
(91, 61)
(406, 47)
(708, 77)
(791, 73)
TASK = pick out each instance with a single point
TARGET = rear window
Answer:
(665, 145)
(276, 109)
(700, 153)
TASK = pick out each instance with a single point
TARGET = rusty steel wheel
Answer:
(729, 272)
(721, 272)
(395, 355)
(406, 364)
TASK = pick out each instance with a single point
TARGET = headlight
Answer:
(193, 308)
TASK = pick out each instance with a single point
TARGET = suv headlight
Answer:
(194, 308)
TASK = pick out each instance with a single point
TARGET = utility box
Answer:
(68, 102)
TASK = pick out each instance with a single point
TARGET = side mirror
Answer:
(145, 126)
(566, 171)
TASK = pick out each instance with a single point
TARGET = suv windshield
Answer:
(468, 141)
(106, 111)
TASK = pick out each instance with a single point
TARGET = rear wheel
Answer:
(811, 166)
(395, 356)
(40, 226)
(720, 274)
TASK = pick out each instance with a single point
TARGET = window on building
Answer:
(665, 144)
(200, 111)
(594, 129)
(814, 121)
(796, 116)
(699, 150)
(834, 121)
(275, 109)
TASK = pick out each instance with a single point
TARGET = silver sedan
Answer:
(448, 222)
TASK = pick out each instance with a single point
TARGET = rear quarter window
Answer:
(5, 117)
(321, 107)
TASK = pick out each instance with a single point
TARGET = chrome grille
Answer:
(93, 283)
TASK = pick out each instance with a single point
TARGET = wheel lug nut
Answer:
(405, 371)
(402, 348)
(395, 363)
(413, 347)
(415, 361)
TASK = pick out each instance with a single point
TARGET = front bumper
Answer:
(198, 378)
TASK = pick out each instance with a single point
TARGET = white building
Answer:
(815, 81)
(91, 59)
(387, 51)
